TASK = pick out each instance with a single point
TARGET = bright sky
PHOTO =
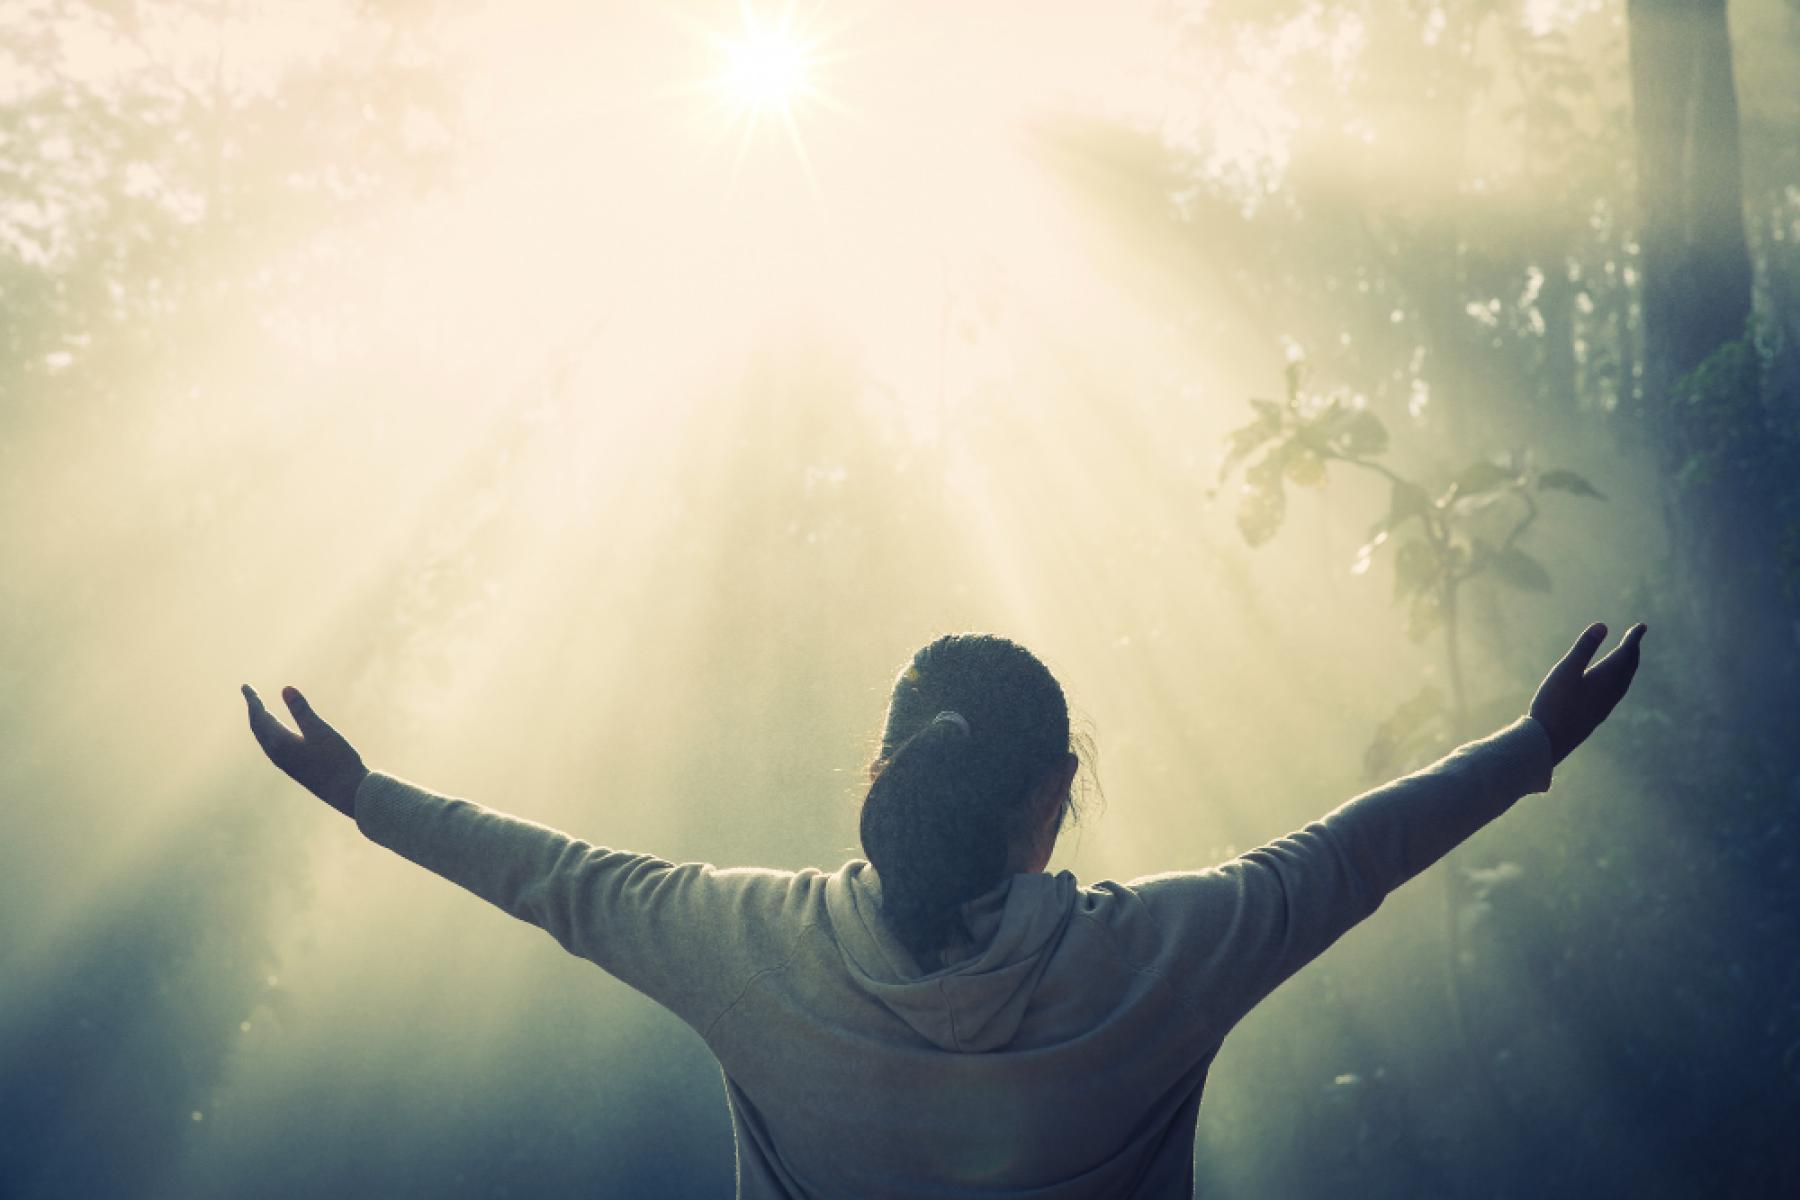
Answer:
(629, 145)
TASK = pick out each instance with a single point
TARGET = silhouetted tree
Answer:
(1727, 466)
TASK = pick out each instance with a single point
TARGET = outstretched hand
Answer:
(1574, 697)
(318, 758)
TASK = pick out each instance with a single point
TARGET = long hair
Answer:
(949, 798)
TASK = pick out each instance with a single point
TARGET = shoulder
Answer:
(1118, 912)
(1150, 915)
(759, 892)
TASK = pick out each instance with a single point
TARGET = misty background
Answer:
(592, 421)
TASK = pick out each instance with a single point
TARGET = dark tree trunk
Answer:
(1721, 461)
(1696, 266)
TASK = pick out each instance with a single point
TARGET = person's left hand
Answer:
(1574, 697)
(318, 758)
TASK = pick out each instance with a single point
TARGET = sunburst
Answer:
(768, 74)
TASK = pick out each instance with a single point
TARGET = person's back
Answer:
(1046, 1062)
(947, 1019)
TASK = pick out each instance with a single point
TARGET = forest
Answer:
(592, 406)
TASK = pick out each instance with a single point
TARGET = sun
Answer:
(766, 76)
(767, 71)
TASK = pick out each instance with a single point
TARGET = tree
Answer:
(1726, 470)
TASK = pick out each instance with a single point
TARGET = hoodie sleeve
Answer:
(688, 936)
(1229, 935)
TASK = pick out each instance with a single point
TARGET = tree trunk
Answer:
(1696, 266)
(1721, 461)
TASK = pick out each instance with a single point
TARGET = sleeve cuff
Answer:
(383, 804)
(1528, 745)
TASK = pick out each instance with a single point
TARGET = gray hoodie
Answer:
(1061, 1054)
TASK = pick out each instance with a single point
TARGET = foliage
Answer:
(1442, 536)
(1723, 414)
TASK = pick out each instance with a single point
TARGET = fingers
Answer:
(310, 723)
(259, 716)
(1575, 663)
(1627, 649)
(270, 733)
(1617, 668)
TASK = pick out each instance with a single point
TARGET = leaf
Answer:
(1360, 433)
(1469, 505)
(1568, 481)
(1240, 443)
(1415, 566)
(1260, 512)
(1305, 468)
(1408, 499)
(1521, 570)
(1264, 501)
(1478, 477)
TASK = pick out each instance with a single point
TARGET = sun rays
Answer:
(768, 74)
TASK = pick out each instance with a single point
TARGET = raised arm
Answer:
(686, 935)
(1234, 932)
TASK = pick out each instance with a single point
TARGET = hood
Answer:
(977, 1002)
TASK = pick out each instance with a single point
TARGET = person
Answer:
(945, 1017)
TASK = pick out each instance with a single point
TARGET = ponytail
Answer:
(948, 797)
(933, 836)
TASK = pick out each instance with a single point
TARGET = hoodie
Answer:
(1062, 1052)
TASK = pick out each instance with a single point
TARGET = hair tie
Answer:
(954, 717)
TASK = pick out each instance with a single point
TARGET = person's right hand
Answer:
(1574, 698)
(318, 758)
